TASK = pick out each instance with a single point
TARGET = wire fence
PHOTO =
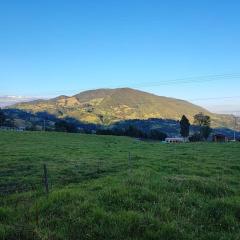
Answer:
(44, 178)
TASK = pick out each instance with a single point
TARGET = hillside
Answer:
(177, 192)
(106, 106)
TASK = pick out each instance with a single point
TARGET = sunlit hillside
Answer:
(105, 106)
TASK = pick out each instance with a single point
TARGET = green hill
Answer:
(106, 106)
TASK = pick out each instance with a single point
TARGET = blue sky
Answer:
(55, 47)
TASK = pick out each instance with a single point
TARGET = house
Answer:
(220, 138)
(20, 129)
(175, 140)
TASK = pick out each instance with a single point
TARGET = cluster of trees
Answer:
(64, 126)
(203, 123)
(133, 131)
(2, 117)
(6, 121)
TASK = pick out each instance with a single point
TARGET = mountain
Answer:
(106, 106)
(11, 100)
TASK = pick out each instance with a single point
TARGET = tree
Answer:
(104, 132)
(157, 135)
(204, 122)
(9, 123)
(196, 137)
(205, 131)
(184, 125)
(2, 117)
(64, 126)
(133, 131)
(33, 127)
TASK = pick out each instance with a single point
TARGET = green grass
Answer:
(185, 191)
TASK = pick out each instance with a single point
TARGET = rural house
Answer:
(175, 140)
(220, 138)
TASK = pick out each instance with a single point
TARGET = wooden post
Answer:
(45, 178)
(37, 214)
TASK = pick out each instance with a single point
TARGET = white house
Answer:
(175, 140)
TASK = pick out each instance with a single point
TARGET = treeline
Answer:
(130, 131)
(202, 126)
(156, 129)
(133, 131)
(64, 126)
(5, 121)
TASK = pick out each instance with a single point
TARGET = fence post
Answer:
(45, 178)
(37, 214)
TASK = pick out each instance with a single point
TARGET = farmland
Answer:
(99, 191)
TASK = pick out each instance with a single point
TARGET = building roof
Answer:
(175, 138)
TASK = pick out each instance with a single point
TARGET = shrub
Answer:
(196, 137)
(157, 135)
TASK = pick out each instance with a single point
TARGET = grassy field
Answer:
(185, 191)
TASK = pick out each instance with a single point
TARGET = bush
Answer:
(2, 117)
(104, 132)
(64, 126)
(196, 137)
(133, 131)
(157, 135)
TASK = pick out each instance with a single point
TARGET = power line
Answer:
(177, 81)
(199, 79)
(189, 80)
(214, 98)
(233, 111)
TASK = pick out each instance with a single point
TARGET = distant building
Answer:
(93, 131)
(175, 140)
(20, 129)
(220, 138)
(80, 130)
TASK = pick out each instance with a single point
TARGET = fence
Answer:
(20, 129)
(7, 188)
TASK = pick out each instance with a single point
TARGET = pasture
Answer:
(162, 191)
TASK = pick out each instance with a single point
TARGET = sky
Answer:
(183, 49)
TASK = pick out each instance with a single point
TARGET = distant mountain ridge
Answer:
(10, 100)
(106, 106)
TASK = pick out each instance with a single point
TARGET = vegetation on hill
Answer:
(2, 117)
(107, 106)
(97, 191)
